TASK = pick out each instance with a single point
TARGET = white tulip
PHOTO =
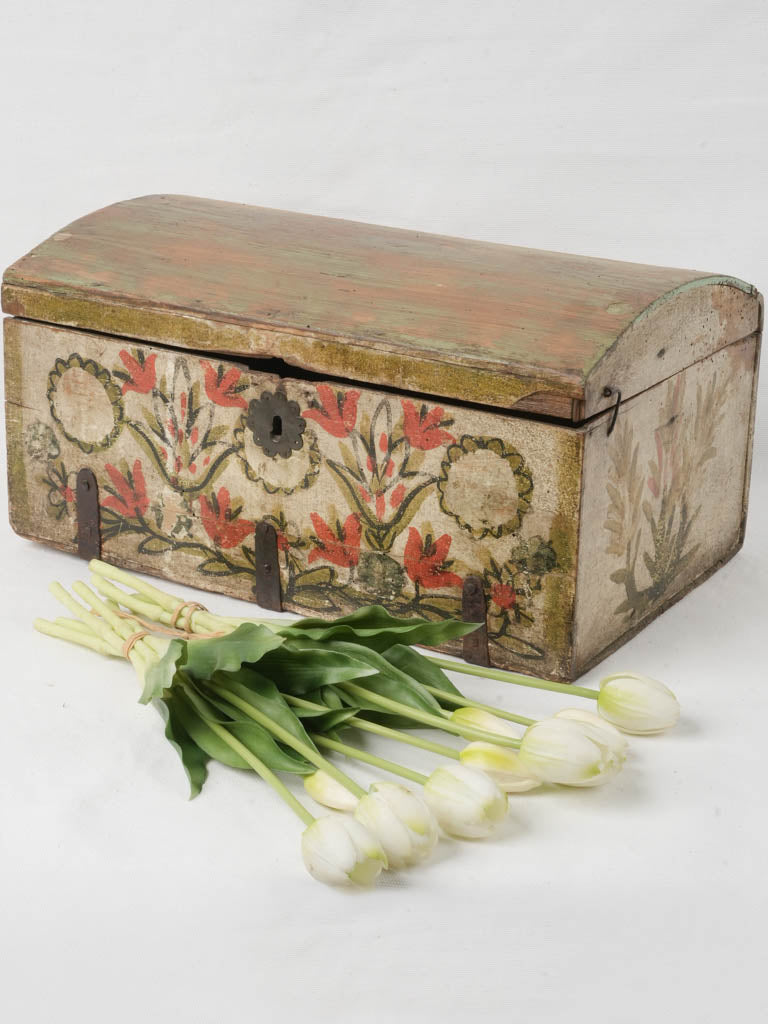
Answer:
(323, 788)
(337, 850)
(476, 718)
(597, 729)
(558, 750)
(502, 764)
(466, 802)
(400, 820)
(637, 704)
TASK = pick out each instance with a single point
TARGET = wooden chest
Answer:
(328, 414)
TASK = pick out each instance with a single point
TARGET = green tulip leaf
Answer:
(376, 629)
(264, 696)
(324, 721)
(419, 666)
(300, 666)
(161, 675)
(390, 681)
(246, 645)
(197, 714)
(194, 758)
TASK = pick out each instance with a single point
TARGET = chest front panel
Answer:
(376, 497)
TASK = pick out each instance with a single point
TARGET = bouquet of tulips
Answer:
(277, 697)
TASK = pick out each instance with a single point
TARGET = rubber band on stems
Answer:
(191, 607)
(133, 639)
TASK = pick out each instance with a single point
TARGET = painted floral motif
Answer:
(650, 514)
(426, 561)
(179, 434)
(224, 387)
(40, 442)
(128, 491)
(485, 486)
(139, 374)
(297, 466)
(512, 588)
(85, 402)
(424, 427)
(336, 412)
(339, 545)
(61, 489)
(222, 522)
(396, 476)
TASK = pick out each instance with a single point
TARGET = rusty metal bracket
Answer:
(267, 587)
(87, 508)
(607, 392)
(474, 609)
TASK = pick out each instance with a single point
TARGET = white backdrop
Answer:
(620, 130)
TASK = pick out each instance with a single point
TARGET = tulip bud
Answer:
(400, 820)
(338, 850)
(502, 764)
(476, 718)
(637, 704)
(597, 729)
(466, 802)
(323, 788)
(558, 750)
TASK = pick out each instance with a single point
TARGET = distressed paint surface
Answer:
(664, 496)
(446, 316)
(375, 498)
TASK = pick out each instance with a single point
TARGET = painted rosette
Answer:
(275, 447)
(485, 486)
(85, 402)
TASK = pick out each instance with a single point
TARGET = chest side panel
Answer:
(664, 496)
(375, 498)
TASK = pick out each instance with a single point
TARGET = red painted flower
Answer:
(503, 595)
(338, 412)
(423, 428)
(129, 496)
(224, 388)
(222, 523)
(397, 495)
(141, 372)
(342, 547)
(283, 544)
(425, 561)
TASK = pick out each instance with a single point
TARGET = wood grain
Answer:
(489, 323)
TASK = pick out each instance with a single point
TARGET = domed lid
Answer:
(492, 324)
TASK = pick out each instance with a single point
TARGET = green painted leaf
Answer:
(376, 629)
(420, 667)
(322, 576)
(245, 645)
(155, 546)
(161, 675)
(193, 757)
(215, 567)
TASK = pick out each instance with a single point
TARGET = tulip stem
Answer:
(261, 769)
(403, 737)
(464, 702)
(380, 730)
(465, 669)
(79, 634)
(307, 751)
(427, 718)
(362, 755)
